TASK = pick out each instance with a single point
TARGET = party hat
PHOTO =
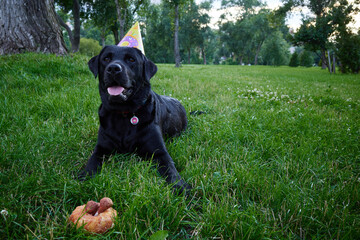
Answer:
(133, 38)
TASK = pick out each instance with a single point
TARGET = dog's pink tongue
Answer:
(115, 90)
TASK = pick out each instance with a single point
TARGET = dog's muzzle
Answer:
(117, 83)
(113, 69)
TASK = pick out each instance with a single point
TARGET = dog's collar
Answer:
(125, 113)
(134, 120)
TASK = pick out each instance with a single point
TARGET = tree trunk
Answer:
(76, 14)
(334, 64)
(116, 35)
(68, 30)
(30, 26)
(189, 55)
(323, 59)
(257, 53)
(176, 38)
(103, 36)
(203, 55)
(121, 19)
(329, 61)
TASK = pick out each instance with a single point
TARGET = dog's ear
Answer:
(94, 65)
(149, 69)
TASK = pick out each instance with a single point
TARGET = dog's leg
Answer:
(94, 163)
(167, 169)
(154, 148)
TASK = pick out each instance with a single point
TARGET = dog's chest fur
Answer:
(119, 129)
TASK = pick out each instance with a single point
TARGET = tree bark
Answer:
(241, 60)
(257, 53)
(176, 38)
(189, 55)
(121, 19)
(329, 61)
(103, 36)
(30, 26)
(76, 14)
(67, 28)
(203, 55)
(323, 59)
(116, 35)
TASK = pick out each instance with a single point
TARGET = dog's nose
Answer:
(114, 68)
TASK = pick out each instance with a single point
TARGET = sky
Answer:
(293, 20)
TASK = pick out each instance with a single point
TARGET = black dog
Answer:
(133, 118)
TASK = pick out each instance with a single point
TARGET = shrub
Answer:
(294, 61)
(306, 60)
(275, 50)
(348, 52)
(89, 47)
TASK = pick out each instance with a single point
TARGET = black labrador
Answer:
(133, 118)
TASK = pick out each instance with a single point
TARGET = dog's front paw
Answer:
(181, 187)
(84, 175)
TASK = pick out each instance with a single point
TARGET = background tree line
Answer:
(179, 31)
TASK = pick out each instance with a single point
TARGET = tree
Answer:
(245, 37)
(348, 52)
(306, 60)
(126, 10)
(247, 6)
(347, 42)
(176, 35)
(74, 7)
(191, 28)
(330, 23)
(30, 26)
(261, 29)
(102, 15)
(294, 60)
(208, 45)
(195, 28)
(158, 38)
(315, 31)
(275, 50)
(176, 4)
(237, 38)
(116, 16)
(315, 36)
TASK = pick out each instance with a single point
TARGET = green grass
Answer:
(276, 156)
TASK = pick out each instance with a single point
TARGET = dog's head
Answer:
(124, 75)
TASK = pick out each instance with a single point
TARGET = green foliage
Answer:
(275, 50)
(275, 156)
(230, 61)
(110, 40)
(347, 43)
(89, 47)
(245, 37)
(194, 32)
(248, 5)
(158, 42)
(91, 32)
(294, 60)
(348, 53)
(306, 59)
(331, 20)
(314, 34)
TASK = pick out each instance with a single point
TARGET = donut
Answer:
(95, 217)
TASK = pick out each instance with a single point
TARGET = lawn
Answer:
(276, 154)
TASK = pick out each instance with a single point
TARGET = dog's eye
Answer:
(131, 59)
(107, 59)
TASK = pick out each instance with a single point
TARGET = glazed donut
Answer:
(95, 217)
